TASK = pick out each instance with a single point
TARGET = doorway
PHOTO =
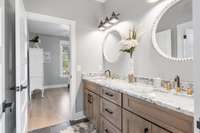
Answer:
(51, 74)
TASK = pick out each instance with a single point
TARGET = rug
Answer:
(84, 127)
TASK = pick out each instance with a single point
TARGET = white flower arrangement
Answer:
(129, 45)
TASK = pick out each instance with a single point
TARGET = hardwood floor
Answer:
(51, 110)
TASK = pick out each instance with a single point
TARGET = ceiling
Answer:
(102, 1)
(48, 28)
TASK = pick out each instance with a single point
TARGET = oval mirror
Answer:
(111, 46)
(173, 31)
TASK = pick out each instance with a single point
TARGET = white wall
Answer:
(86, 13)
(148, 62)
(196, 16)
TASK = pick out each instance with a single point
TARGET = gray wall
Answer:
(148, 62)
(52, 68)
(86, 13)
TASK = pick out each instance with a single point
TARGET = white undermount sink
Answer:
(171, 98)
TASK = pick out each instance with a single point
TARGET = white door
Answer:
(21, 67)
(2, 91)
(188, 43)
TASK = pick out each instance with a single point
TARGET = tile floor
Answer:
(83, 127)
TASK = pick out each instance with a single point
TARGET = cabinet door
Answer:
(95, 110)
(86, 104)
(92, 107)
(156, 129)
(135, 124)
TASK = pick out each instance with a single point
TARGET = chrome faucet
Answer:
(177, 81)
(109, 73)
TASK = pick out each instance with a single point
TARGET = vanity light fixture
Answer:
(101, 27)
(114, 18)
(109, 22)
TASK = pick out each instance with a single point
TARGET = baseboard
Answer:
(55, 86)
(79, 115)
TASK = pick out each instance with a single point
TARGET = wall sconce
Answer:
(109, 22)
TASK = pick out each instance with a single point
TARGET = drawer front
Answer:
(111, 95)
(111, 112)
(168, 119)
(107, 127)
(92, 87)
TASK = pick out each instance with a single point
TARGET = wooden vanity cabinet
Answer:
(134, 124)
(91, 107)
(107, 127)
(157, 129)
(111, 112)
(168, 119)
(114, 112)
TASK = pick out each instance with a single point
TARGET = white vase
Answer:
(131, 74)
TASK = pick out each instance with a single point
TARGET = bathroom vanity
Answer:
(115, 106)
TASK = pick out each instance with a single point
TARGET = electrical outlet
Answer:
(79, 68)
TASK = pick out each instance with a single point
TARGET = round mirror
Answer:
(173, 31)
(111, 46)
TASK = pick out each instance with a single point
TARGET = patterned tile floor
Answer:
(83, 127)
(80, 128)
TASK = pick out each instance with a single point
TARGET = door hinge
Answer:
(7, 105)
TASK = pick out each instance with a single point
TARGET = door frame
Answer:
(2, 45)
(196, 63)
(72, 23)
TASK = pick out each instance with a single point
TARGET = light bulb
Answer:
(107, 23)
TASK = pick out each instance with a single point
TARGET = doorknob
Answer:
(21, 88)
(24, 87)
(7, 105)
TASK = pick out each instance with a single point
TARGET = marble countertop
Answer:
(170, 100)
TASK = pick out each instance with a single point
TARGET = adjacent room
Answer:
(49, 74)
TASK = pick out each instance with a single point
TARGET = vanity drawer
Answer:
(111, 95)
(107, 127)
(111, 112)
(92, 87)
(171, 120)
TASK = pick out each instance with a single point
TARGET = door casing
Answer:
(62, 21)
